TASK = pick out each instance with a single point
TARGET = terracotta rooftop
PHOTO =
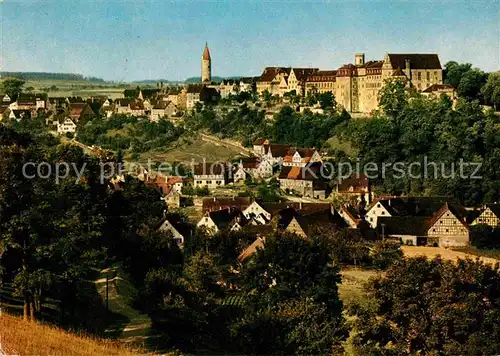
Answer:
(206, 53)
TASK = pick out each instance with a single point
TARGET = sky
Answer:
(135, 40)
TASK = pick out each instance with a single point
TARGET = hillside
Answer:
(20, 337)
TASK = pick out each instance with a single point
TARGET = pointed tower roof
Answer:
(206, 53)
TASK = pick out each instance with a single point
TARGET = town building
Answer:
(177, 226)
(489, 216)
(66, 126)
(78, 111)
(436, 90)
(355, 188)
(301, 157)
(321, 81)
(162, 109)
(306, 181)
(421, 220)
(200, 93)
(29, 102)
(230, 219)
(211, 175)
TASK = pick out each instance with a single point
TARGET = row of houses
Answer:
(436, 221)
(433, 221)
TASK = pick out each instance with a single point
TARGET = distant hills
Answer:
(153, 81)
(214, 79)
(50, 76)
(74, 76)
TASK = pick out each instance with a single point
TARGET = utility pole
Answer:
(107, 292)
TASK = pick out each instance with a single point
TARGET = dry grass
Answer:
(351, 290)
(18, 337)
(447, 254)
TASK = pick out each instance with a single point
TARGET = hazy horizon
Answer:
(164, 40)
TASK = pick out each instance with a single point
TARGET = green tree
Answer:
(491, 90)
(392, 97)
(287, 279)
(327, 100)
(432, 306)
(13, 87)
(454, 71)
(471, 84)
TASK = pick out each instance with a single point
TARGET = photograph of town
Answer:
(249, 177)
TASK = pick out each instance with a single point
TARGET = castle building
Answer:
(206, 66)
(355, 86)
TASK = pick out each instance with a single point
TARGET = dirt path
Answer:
(128, 324)
(431, 252)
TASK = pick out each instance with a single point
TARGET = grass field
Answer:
(81, 88)
(18, 337)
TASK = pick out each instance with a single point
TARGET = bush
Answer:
(202, 191)
(385, 253)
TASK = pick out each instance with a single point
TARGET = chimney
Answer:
(407, 68)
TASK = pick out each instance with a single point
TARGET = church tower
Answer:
(206, 66)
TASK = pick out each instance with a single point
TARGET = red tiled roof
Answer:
(76, 108)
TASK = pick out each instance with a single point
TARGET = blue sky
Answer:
(132, 40)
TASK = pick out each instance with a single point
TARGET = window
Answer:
(447, 230)
(419, 76)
